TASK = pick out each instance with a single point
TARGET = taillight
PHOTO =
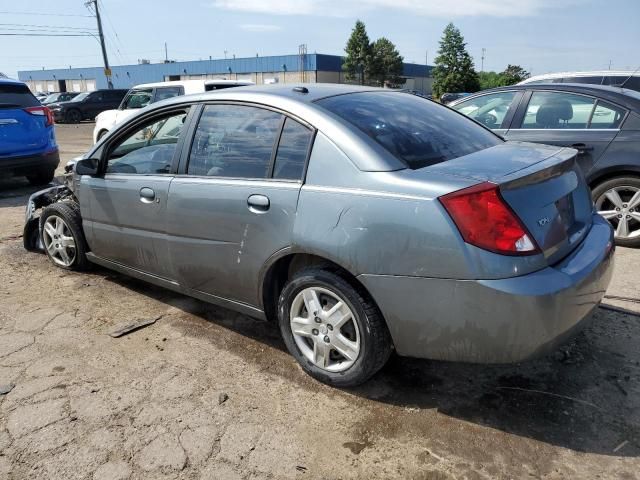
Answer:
(486, 221)
(41, 111)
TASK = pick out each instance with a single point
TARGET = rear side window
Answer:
(234, 141)
(16, 96)
(607, 115)
(168, 92)
(292, 151)
(417, 131)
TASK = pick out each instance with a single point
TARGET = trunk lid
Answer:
(542, 184)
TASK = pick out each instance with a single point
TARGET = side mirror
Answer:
(87, 166)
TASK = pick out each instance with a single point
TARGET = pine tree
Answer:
(386, 63)
(358, 60)
(454, 71)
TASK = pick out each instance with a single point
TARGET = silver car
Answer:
(359, 220)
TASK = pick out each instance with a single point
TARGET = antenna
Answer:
(630, 77)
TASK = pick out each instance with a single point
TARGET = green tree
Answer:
(358, 60)
(490, 80)
(454, 70)
(514, 74)
(386, 66)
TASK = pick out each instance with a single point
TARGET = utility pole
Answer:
(107, 70)
(484, 50)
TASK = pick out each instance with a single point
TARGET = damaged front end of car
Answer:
(31, 235)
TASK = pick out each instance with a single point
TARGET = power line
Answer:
(45, 26)
(47, 14)
(46, 35)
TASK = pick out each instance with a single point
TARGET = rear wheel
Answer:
(618, 200)
(42, 177)
(73, 116)
(62, 236)
(332, 328)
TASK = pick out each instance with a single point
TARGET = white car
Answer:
(142, 95)
(613, 78)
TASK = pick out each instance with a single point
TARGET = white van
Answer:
(614, 78)
(142, 95)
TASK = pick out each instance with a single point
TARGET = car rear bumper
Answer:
(26, 165)
(497, 321)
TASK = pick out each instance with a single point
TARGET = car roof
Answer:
(184, 83)
(603, 73)
(11, 81)
(621, 96)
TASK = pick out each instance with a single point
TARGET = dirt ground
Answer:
(206, 393)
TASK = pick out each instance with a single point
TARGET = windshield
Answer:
(80, 97)
(417, 131)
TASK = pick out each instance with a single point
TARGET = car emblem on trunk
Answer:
(544, 221)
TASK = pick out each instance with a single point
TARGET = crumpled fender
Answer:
(31, 237)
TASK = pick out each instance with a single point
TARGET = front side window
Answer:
(607, 115)
(490, 110)
(417, 131)
(96, 97)
(292, 151)
(234, 141)
(168, 92)
(554, 110)
(149, 150)
(137, 99)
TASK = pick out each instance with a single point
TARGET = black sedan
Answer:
(602, 123)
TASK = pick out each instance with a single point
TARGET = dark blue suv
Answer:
(27, 140)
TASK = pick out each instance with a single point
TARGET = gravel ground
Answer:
(208, 393)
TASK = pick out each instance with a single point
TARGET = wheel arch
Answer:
(282, 265)
(613, 172)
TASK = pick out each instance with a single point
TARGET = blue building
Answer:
(308, 68)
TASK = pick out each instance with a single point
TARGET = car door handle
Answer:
(147, 195)
(258, 203)
(582, 148)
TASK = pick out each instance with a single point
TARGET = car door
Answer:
(494, 110)
(234, 203)
(93, 104)
(569, 120)
(124, 208)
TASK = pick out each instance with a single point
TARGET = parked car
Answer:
(612, 78)
(40, 96)
(603, 123)
(329, 209)
(447, 98)
(27, 139)
(59, 97)
(86, 105)
(142, 95)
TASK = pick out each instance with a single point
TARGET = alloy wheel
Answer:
(324, 329)
(58, 241)
(621, 207)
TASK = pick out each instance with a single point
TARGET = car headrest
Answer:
(550, 113)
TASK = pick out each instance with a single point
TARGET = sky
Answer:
(540, 35)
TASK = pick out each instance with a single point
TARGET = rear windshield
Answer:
(417, 131)
(16, 96)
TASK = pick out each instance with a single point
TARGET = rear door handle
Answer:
(258, 203)
(582, 148)
(147, 195)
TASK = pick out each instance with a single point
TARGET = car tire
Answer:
(65, 245)
(73, 116)
(364, 336)
(625, 188)
(43, 177)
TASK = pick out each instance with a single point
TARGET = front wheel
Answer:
(62, 236)
(618, 200)
(73, 116)
(332, 327)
